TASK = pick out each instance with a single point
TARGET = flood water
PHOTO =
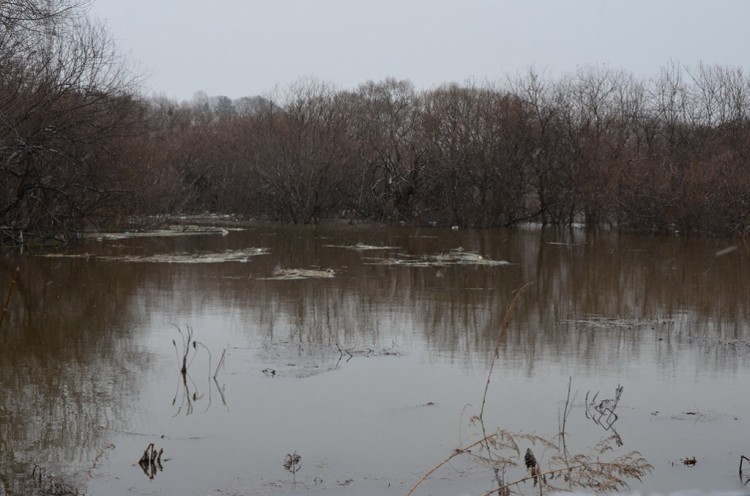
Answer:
(365, 351)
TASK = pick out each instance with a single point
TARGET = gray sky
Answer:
(248, 47)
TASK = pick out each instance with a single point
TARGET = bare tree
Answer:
(301, 152)
(65, 100)
(478, 147)
(387, 122)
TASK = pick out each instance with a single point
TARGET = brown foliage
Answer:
(598, 146)
(64, 102)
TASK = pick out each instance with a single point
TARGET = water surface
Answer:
(365, 351)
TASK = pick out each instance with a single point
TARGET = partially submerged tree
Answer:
(300, 153)
(387, 124)
(65, 101)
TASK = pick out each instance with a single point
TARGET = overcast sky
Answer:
(249, 47)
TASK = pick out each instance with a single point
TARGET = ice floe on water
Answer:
(363, 247)
(280, 274)
(457, 256)
(187, 230)
(227, 256)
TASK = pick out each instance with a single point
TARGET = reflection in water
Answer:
(150, 462)
(188, 390)
(602, 412)
(68, 366)
(744, 475)
(86, 341)
(11, 288)
(589, 291)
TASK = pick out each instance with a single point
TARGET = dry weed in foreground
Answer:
(549, 471)
(552, 469)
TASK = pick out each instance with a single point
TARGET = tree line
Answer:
(80, 149)
(598, 147)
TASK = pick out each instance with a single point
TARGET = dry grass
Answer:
(520, 460)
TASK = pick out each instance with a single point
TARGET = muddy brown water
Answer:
(365, 351)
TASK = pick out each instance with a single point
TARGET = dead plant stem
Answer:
(221, 362)
(496, 353)
(554, 471)
(564, 419)
(498, 342)
(457, 452)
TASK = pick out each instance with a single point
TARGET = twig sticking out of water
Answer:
(187, 343)
(742, 459)
(219, 388)
(342, 351)
(292, 463)
(221, 363)
(150, 462)
(186, 354)
(13, 282)
(362, 352)
(603, 412)
(98, 457)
